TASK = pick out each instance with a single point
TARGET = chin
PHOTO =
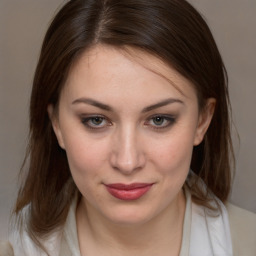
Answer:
(130, 215)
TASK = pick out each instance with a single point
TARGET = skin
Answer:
(129, 142)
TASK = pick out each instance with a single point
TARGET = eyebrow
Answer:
(108, 108)
(93, 103)
(161, 104)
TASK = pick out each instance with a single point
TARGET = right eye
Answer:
(95, 122)
(160, 121)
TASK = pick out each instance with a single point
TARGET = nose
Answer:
(127, 153)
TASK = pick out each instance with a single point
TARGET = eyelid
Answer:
(86, 118)
(170, 118)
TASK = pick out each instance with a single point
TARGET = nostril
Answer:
(127, 164)
(126, 154)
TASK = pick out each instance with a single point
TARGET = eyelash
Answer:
(85, 121)
(169, 119)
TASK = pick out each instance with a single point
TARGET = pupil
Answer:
(97, 120)
(158, 120)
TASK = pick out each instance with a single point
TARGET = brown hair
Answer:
(173, 31)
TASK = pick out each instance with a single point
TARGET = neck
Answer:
(154, 237)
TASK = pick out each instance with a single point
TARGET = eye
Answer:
(160, 121)
(95, 122)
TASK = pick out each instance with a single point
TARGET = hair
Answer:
(173, 31)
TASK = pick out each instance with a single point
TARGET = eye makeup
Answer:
(160, 121)
(99, 122)
(95, 122)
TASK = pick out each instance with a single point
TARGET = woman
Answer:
(130, 150)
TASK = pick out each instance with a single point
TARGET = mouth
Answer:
(128, 192)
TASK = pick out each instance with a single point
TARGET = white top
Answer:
(203, 235)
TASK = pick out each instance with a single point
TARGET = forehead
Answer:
(105, 67)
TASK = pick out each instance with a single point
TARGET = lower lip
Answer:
(130, 194)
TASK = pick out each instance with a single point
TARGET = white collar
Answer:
(204, 234)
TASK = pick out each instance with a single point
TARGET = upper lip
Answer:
(121, 186)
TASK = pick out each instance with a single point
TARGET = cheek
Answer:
(173, 164)
(173, 154)
(85, 157)
(87, 165)
(174, 150)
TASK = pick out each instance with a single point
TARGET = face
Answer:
(128, 123)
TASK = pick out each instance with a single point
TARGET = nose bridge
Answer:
(127, 153)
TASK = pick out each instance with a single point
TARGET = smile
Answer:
(128, 192)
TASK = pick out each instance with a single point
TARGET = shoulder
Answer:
(243, 230)
(24, 245)
(6, 249)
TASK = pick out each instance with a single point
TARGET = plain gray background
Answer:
(22, 27)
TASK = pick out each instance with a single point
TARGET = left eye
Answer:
(161, 121)
(95, 122)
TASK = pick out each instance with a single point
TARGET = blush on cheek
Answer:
(85, 163)
(175, 159)
(177, 149)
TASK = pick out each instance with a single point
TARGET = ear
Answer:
(204, 120)
(55, 125)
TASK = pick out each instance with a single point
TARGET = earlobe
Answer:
(204, 120)
(55, 125)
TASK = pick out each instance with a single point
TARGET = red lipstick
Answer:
(128, 191)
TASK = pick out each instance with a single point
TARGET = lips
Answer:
(128, 191)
